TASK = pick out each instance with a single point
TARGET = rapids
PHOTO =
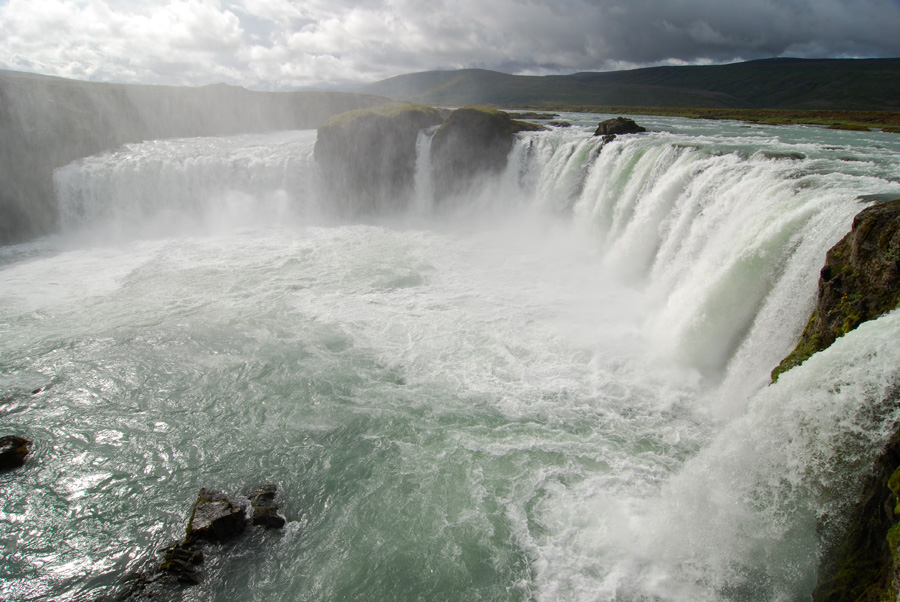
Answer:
(554, 388)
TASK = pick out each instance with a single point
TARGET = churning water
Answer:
(554, 388)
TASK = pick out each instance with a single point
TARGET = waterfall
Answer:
(423, 183)
(555, 387)
(726, 234)
(187, 183)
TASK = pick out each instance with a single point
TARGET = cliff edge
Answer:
(859, 282)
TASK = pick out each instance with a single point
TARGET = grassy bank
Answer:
(888, 121)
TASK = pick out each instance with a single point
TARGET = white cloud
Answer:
(286, 43)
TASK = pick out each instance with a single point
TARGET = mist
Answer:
(46, 123)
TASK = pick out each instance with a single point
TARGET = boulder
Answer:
(472, 142)
(619, 125)
(215, 518)
(13, 450)
(181, 562)
(860, 281)
(264, 509)
(368, 156)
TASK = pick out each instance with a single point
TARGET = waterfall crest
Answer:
(561, 374)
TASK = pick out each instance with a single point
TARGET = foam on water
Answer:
(554, 391)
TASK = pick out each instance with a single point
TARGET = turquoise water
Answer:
(554, 391)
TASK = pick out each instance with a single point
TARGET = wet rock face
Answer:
(864, 565)
(181, 562)
(215, 518)
(859, 282)
(265, 510)
(13, 450)
(472, 142)
(619, 125)
(368, 156)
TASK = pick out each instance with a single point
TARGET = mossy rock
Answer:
(863, 565)
(859, 282)
(368, 156)
(472, 142)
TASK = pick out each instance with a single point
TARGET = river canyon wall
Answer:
(47, 122)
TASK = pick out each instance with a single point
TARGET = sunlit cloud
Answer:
(278, 44)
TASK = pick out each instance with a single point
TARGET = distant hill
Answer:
(782, 83)
(46, 122)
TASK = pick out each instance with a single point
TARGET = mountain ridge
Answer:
(777, 83)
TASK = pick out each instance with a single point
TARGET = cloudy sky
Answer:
(286, 44)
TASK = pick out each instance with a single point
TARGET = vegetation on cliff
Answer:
(860, 281)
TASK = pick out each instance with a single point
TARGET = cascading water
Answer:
(555, 390)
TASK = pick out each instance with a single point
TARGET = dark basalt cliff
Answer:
(47, 122)
(859, 282)
(472, 142)
(863, 566)
(368, 156)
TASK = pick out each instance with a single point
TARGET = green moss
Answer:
(390, 111)
(496, 116)
(808, 345)
(894, 485)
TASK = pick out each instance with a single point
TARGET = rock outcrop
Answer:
(13, 450)
(264, 509)
(472, 142)
(619, 125)
(863, 565)
(368, 156)
(860, 281)
(215, 518)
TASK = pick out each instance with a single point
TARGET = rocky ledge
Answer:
(215, 519)
(472, 142)
(860, 281)
(368, 156)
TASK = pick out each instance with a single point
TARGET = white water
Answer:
(555, 390)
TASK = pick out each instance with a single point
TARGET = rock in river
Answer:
(13, 450)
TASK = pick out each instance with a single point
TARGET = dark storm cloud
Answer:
(284, 43)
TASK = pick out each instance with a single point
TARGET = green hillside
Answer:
(800, 84)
